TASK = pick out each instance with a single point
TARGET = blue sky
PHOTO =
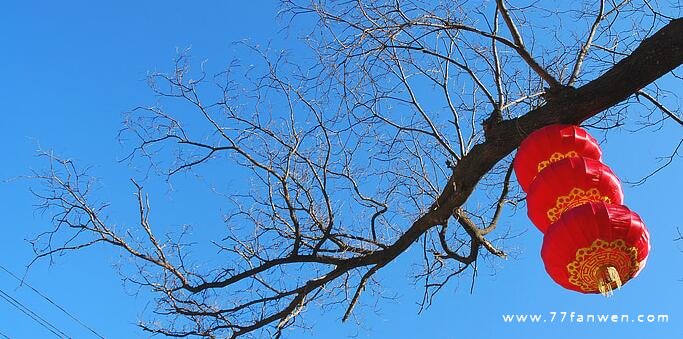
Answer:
(70, 70)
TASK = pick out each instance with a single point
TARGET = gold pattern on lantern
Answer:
(555, 157)
(575, 198)
(588, 270)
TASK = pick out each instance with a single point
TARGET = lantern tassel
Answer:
(609, 281)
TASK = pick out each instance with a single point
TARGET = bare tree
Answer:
(398, 134)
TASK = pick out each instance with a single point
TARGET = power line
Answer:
(51, 302)
(4, 335)
(40, 320)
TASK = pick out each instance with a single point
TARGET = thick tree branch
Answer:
(657, 55)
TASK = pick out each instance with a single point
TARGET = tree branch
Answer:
(521, 49)
(661, 107)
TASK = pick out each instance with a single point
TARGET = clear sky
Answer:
(70, 69)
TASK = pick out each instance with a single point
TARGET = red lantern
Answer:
(592, 243)
(568, 183)
(595, 248)
(550, 144)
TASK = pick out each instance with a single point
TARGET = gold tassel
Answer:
(609, 281)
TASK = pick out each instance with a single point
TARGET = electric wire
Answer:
(52, 302)
(40, 320)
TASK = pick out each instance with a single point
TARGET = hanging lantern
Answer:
(568, 183)
(596, 248)
(592, 244)
(550, 144)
